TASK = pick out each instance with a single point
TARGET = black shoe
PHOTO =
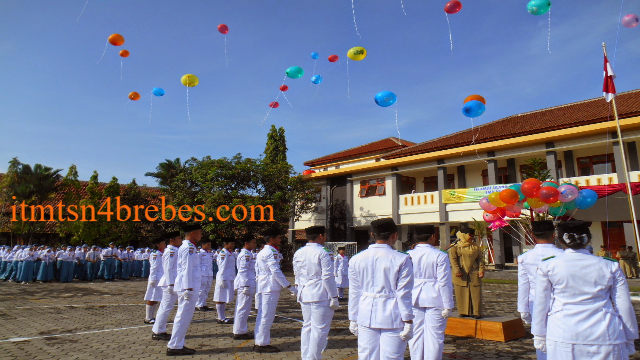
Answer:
(476, 317)
(149, 321)
(206, 308)
(265, 349)
(163, 336)
(243, 336)
(178, 352)
(226, 321)
(200, 309)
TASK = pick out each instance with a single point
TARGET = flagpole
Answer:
(626, 170)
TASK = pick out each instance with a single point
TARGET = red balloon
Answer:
(548, 194)
(274, 104)
(308, 172)
(223, 29)
(509, 196)
(284, 88)
(453, 7)
(531, 187)
(488, 217)
(513, 214)
(333, 58)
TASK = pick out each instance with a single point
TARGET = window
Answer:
(318, 194)
(373, 187)
(596, 165)
(503, 177)
(431, 183)
(523, 168)
(408, 185)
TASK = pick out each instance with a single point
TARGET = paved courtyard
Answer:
(103, 320)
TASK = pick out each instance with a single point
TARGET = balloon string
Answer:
(285, 97)
(104, 52)
(277, 97)
(317, 89)
(348, 83)
(615, 49)
(353, 9)
(314, 69)
(473, 141)
(225, 50)
(402, 4)
(450, 37)
(82, 12)
(549, 37)
(397, 127)
(188, 112)
(151, 111)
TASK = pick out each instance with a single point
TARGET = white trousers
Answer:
(564, 351)
(380, 344)
(317, 318)
(266, 314)
(182, 321)
(243, 308)
(428, 334)
(162, 315)
(205, 287)
(223, 295)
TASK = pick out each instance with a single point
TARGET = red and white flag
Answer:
(608, 88)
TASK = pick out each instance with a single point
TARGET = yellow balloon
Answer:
(357, 53)
(556, 204)
(189, 80)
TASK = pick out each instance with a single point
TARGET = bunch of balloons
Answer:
(543, 197)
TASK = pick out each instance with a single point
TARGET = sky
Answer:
(59, 106)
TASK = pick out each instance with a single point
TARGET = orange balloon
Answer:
(134, 96)
(475, 97)
(116, 39)
(124, 53)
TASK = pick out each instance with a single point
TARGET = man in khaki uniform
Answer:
(467, 265)
(625, 260)
(634, 261)
(603, 252)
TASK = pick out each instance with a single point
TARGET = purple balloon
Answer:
(567, 193)
(486, 205)
(630, 20)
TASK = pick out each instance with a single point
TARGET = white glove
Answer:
(223, 284)
(256, 301)
(446, 313)
(153, 283)
(246, 290)
(170, 290)
(540, 343)
(334, 304)
(407, 332)
(631, 347)
(353, 327)
(186, 295)
(294, 291)
(526, 317)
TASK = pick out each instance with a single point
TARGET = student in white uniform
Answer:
(582, 308)
(206, 268)
(432, 295)
(270, 281)
(380, 308)
(317, 292)
(187, 287)
(167, 281)
(224, 280)
(153, 295)
(245, 284)
(341, 269)
(528, 264)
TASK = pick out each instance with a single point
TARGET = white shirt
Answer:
(432, 285)
(313, 268)
(575, 293)
(169, 266)
(108, 253)
(226, 266)
(188, 276)
(341, 265)
(269, 275)
(528, 264)
(155, 266)
(246, 264)
(381, 282)
(206, 263)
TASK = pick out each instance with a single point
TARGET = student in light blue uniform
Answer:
(36, 264)
(45, 273)
(68, 261)
(28, 259)
(3, 263)
(146, 266)
(58, 262)
(109, 256)
(125, 256)
(8, 273)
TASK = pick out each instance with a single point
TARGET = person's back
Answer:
(528, 264)
(313, 283)
(431, 277)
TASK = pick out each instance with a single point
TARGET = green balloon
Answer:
(569, 205)
(557, 211)
(295, 72)
(538, 7)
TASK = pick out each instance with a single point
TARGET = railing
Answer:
(418, 199)
(604, 179)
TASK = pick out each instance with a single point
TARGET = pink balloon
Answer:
(567, 193)
(542, 209)
(486, 205)
(513, 208)
(630, 20)
(490, 217)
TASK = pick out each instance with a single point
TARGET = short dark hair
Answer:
(545, 234)
(268, 238)
(422, 237)
(312, 237)
(383, 236)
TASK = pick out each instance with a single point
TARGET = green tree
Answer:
(536, 168)
(166, 171)
(275, 151)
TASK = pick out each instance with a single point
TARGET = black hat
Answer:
(542, 226)
(226, 240)
(574, 231)
(427, 230)
(191, 227)
(381, 226)
(246, 238)
(341, 248)
(314, 230)
(171, 235)
(469, 231)
(273, 232)
(158, 240)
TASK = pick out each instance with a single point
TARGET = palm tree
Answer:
(166, 171)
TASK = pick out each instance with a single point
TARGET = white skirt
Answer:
(154, 293)
(342, 281)
(564, 351)
(223, 295)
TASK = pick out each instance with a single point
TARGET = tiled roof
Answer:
(560, 117)
(376, 147)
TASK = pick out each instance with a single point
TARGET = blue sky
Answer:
(60, 108)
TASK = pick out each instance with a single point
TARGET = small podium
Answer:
(496, 328)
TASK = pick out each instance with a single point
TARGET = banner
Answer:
(456, 196)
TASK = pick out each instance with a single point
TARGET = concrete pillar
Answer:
(327, 208)
(492, 170)
(617, 156)
(511, 171)
(442, 212)
(632, 152)
(552, 164)
(498, 248)
(462, 177)
(349, 210)
(569, 164)
(396, 184)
